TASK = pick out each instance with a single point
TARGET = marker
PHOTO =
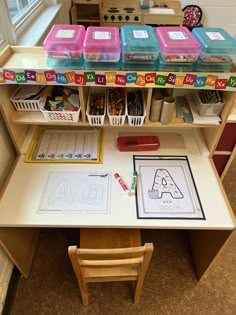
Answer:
(133, 183)
(122, 183)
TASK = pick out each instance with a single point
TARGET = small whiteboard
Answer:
(166, 188)
(76, 192)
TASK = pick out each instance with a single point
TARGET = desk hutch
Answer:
(20, 223)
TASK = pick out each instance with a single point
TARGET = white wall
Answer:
(217, 13)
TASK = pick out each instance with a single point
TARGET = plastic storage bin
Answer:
(64, 46)
(116, 106)
(177, 44)
(101, 44)
(60, 63)
(138, 65)
(102, 65)
(96, 106)
(217, 45)
(139, 43)
(200, 65)
(208, 102)
(162, 65)
(136, 107)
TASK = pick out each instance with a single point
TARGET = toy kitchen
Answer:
(136, 12)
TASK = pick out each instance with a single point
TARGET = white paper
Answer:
(161, 11)
(165, 188)
(76, 192)
(68, 145)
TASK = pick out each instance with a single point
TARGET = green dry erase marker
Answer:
(133, 183)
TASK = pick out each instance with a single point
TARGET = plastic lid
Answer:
(215, 40)
(139, 37)
(101, 39)
(177, 39)
(65, 38)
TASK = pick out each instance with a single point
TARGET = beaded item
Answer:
(192, 16)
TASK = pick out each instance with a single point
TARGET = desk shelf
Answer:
(199, 144)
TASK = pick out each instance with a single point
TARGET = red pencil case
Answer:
(138, 143)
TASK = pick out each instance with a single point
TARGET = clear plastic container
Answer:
(61, 63)
(199, 65)
(209, 103)
(65, 41)
(102, 65)
(139, 43)
(162, 65)
(217, 45)
(148, 65)
(102, 44)
(177, 44)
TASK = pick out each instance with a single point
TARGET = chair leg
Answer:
(140, 280)
(84, 293)
(137, 293)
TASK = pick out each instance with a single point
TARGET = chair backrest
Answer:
(116, 264)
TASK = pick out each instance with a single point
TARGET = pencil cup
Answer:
(167, 111)
(156, 106)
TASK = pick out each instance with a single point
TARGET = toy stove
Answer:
(120, 12)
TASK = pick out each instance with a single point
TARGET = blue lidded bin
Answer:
(139, 43)
(217, 46)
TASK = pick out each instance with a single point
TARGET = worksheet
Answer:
(166, 188)
(63, 145)
(83, 192)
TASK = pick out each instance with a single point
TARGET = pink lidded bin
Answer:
(102, 44)
(65, 41)
(177, 44)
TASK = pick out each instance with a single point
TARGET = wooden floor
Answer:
(170, 286)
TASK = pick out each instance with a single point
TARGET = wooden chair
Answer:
(110, 264)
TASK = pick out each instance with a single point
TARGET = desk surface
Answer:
(20, 201)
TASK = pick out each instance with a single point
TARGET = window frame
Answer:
(11, 31)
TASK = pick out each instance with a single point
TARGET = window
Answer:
(22, 12)
(16, 16)
(18, 8)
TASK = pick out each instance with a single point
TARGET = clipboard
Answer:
(65, 146)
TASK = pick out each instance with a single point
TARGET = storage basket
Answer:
(115, 95)
(209, 103)
(29, 105)
(61, 116)
(135, 97)
(97, 96)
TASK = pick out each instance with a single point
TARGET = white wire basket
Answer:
(96, 106)
(29, 104)
(136, 107)
(61, 116)
(116, 108)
